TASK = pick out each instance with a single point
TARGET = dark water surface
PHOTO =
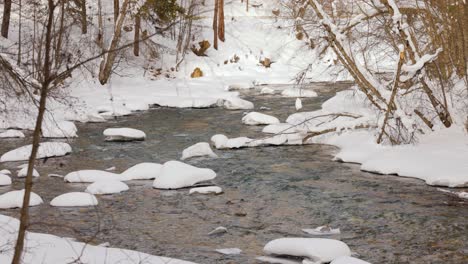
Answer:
(269, 192)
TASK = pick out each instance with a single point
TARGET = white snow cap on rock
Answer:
(348, 260)
(296, 92)
(91, 176)
(229, 251)
(298, 104)
(255, 118)
(206, 190)
(5, 171)
(107, 187)
(60, 129)
(142, 171)
(74, 199)
(4, 179)
(14, 199)
(267, 90)
(235, 103)
(176, 174)
(46, 150)
(317, 249)
(124, 134)
(24, 171)
(220, 141)
(322, 231)
(12, 133)
(198, 150)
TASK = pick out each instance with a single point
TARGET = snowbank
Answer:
(187, 102)
(59, 129)
(255, 118)
(175, 175)
(24, 171)
(206, 190)
(142, 171)
(46, 150)
(92, 176)
(4, 179)
(198, 150)
(11, 133)
(296, 92)
(73, 199)
(5, 171)
(267, 90)
(107, 187)
(124, 134)
(14, 199)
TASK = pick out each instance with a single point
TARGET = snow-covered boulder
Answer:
(322, 231)
(222, 142)
(94, 118)
(60, 129)
(107, 187)
(255, 118)
(235, 103)
(124, 134)
(24, 171)
(74, 199)
(279, 128)
(111, 110)
(4, 179)
(92, 176)
(198, 150)
(316, 249)
(240, 86)
(229, 251)
(219, 140)
(267, 90)
(206, 190)
(14, 199)
(46, 150)
(298, 104)
(5, 171)
(348, 260)
(176, 174)
(218, 230)
(142, 171)
(12, 133)
(296, 92)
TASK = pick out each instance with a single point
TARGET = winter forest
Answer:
(233, 131)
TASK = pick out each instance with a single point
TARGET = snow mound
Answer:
(14, 199)
(107, 187)
(298, 104)
(316, 249)
(235, 103)
(222, 142)
(74, 199)
(11, 133)
(60, 129)
(267, 90)
(348, 260)
(229, 251)
(46, 150)
(198, 150)
(24, 171)
(296, 92)
(4, 179)
(322, 231)
(176, 174)
(124, 134)
(142, 171)
(240, 86)
(206, 190)
(5, 171)
(279, 128)
(218, 230)
(255, 118)
(94, 118)
(91, 176)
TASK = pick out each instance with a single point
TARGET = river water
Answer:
(269, 192)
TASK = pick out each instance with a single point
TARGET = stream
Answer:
(269, 192)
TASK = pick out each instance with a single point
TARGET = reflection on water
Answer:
(270, 192)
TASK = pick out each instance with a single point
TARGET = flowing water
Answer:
(269, 192)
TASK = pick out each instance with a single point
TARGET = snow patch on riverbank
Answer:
(46, 150)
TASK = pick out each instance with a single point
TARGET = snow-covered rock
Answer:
(14, 199)
(206, 190)
(5, 171)
(296, 92)
(279, 128)
(24, 171)
(322, 231)
(229, 251)
(12, 133)
(315, 249)
(142, 171)
(60, 129)
(176, 174)
(236, 103)
(275, 140)
(107, 187)
(267, 90)
(222, 142)
(46, 150)
(218, 230)
(124, 134)
(240, 86)
(219, 140)
(255, 118)
(92, 176)
(348, 260)
(94, 118)
(298, 104)
(4, 179)
(111, 110)
(74, 199)
(198, 150)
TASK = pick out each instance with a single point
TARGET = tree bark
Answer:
(116, 10)
(6, 18)
(136, 43)
(18, 60)
(60, 35)
(221, 20)
(215, 25)
(84, 19)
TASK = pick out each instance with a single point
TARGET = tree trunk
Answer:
(215, 25)
(116, 10)
(84, 18)
(221, 21)
(18, 60)
(6, 18)
(136, 43)
(24, 218)
(60, 35)
(100, 37)
(247, 5)
(106, 66)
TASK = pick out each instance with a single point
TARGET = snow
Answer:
(124, 134)
(73, 199)
(46, 150)
(206, 190)
(92, 176)
(107, 187)
(222, 142)
(229, 251)
(322, 230)
(279, 128)
(5, 171)
(176, 174)
(348, 260)
(298, 104)
(142, 171)
(186, 102)
(218, 230)
(267, 90)
(14, 199)
(316, 249)
(11, 133)
(235, 103)
(296, 92)
(198, 150)
(255, 118)
(24, 171)
(4, 179)
(278, 260)
(50, 249)
(58, 129)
